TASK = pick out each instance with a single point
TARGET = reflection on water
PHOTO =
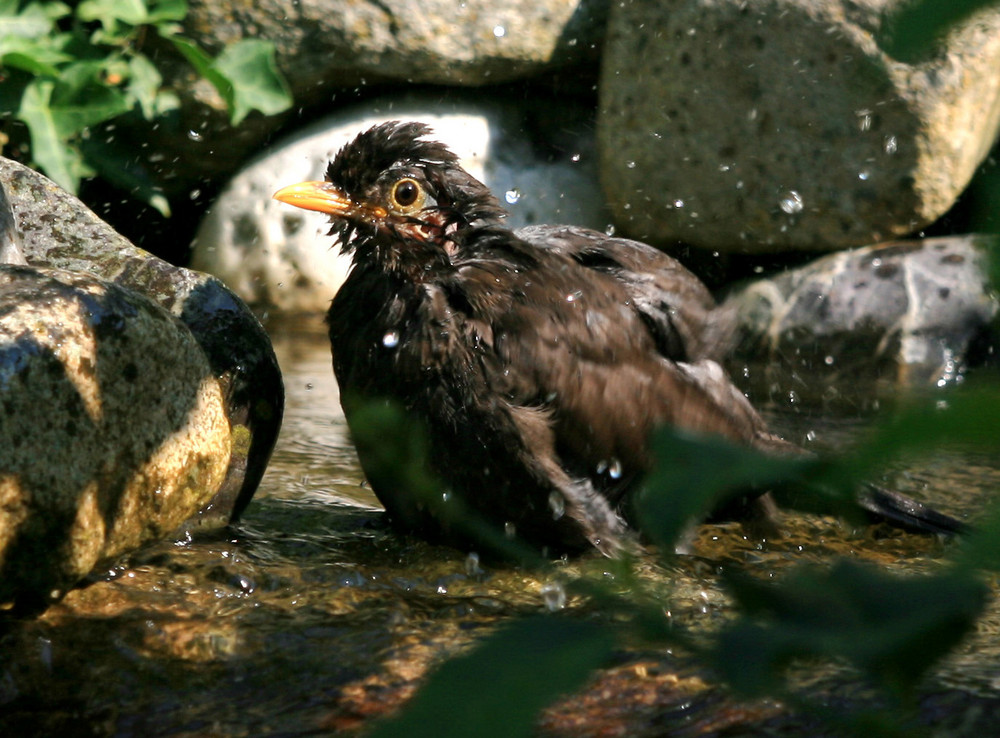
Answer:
(312, 618)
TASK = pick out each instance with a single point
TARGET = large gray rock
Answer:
(781, 124)
(341, 43)
(58, 231)
(330, 50)
(280, 257)
(896, 313)
(113, 428)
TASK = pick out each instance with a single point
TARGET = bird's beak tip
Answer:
(320, 196)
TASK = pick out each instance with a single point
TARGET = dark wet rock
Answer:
(58, 231)
(280, 257)
(113, 428)
(782, 125)
(10, 236)
(903, 312)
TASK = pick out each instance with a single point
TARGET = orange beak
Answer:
(324, 197)
(320, 196)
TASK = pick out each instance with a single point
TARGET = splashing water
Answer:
(791, 202)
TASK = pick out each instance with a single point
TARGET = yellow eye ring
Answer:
(408, 196)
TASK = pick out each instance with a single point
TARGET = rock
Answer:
(333, 49)
(782, 125)
(344, 42)
(112, 424)
(10, 236)
(58, 231)
(904, 312)
(280, 257)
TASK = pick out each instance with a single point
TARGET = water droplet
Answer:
(574, 296)
(793, 397)
(472, 567)
(195, 135)
(554, 596)
(630, 164)
(864, 174)
(390, 339)
(558, 504)
(864, 119)
(609, 229)
(499, 31)
(678, 203)
(575, 158)
(194, 194)
(828, 360)
(509, 529)
(890, 146)
(512, 196)
(811, 436)
(615, 469)
(791, 202)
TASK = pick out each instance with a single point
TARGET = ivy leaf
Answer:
(110, 12)
(245, 75)
(144, 85)
(79, 100)
(49, 148)
(33, 21)
(253, 76)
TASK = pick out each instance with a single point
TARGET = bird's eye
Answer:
(407, 195)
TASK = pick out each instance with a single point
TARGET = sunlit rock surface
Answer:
(57, 230)
(904, 312)
(342, 42)
(542, 171)
(113, 427)
(782, 125)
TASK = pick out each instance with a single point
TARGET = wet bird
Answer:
(537, 362)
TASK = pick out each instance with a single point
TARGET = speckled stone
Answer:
(280, 257)
(905, 313)
(781, 124)
(112, 424)
(58, 231)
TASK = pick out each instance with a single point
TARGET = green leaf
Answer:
(498, 689)
(694, 475)
(28, 62)
(144, 85)
(914, 31)
(60, 161)
(110, 12)
(892, 628)
(80, 100)
(204, 66)
(33, 21)
(253, 76)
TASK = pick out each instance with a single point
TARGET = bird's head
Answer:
(397, 198)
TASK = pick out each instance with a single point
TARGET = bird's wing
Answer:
(674, 303)
(572, 339)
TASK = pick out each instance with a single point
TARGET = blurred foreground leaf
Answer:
(498, 689)
(891, 628)
(911, 33)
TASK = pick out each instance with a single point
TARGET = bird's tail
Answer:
(900, 511)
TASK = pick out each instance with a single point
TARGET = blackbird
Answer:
(537, 362)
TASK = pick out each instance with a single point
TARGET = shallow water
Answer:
(311, 618)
